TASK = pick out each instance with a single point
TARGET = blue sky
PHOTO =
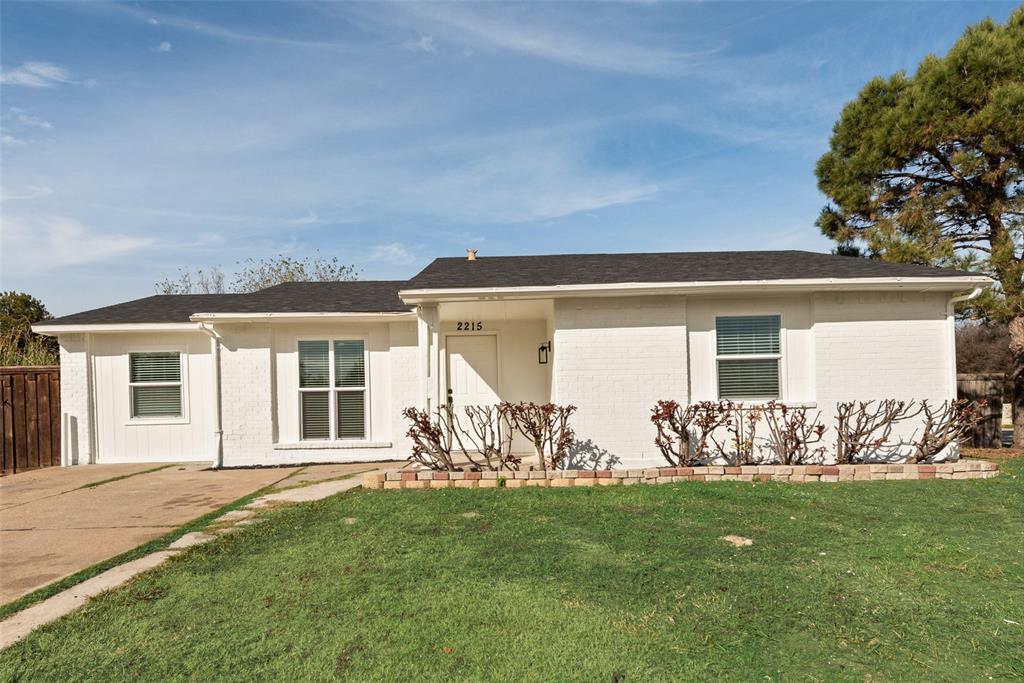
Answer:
(139, 137)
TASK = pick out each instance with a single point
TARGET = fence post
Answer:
(988, 387)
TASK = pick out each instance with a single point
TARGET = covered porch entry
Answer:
(485, 352)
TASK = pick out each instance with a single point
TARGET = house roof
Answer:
(499, 272)
(363, 296)
(681, 267)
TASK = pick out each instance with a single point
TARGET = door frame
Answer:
(444, 359)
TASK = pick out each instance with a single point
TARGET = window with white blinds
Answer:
(332, 389)
(749, 354)
(154, 381)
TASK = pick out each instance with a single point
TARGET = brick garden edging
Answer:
(796, 474)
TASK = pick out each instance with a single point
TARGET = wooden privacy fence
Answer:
(988, 387)
(31, 418)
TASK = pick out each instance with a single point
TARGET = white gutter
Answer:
(416, 296)
(301, 317)
(218, 429)
(43, 328)
(199, 318)
(964, 297)
(951, 339)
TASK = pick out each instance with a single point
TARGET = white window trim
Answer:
(182, 352)
(780, 356)
(332, 402)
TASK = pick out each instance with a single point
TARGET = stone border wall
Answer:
(795, 474)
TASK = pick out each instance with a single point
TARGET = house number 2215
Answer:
(469, 326)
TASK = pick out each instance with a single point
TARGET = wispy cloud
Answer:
(309, 219)
(560, 43)
(49, 242)
(394, 253)
(421, 44)
(25, 192)
(228, 33)
(36, 75)
(11, 141)
(29, 120)
(164, 46)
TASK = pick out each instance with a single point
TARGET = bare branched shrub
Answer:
(547, 427)
(944, 425)
(432, 439)
(740, 422)
(791, 434)
(862, 425)
(481, 436)
(489, 436)
(684, 432)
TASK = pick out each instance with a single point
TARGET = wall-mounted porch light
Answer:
(543, 353)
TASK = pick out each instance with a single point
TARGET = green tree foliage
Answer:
(256, 274)
(929, 168)
(18, 344)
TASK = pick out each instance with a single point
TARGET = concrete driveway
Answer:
(57, 521)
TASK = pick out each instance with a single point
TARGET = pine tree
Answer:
(929, 168)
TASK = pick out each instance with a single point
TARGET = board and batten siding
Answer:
(121, 438)
(261, 392)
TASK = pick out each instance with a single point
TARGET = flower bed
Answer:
(794, 474)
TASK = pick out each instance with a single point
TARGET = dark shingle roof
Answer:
(364, 296)
(716, 266)
(381, 296)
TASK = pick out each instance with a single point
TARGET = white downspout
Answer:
(951, 317)
(218, 431)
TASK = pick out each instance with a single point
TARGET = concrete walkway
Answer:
(314, 483)
(52, 527)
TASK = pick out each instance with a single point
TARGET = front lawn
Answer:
(916, 580)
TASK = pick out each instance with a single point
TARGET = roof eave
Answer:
(944, 283)
(79, 328)
(354, 316)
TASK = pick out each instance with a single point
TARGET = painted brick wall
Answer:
(74, 400)
(247, 404)
(405, 383)
(613, 359)
(881, 345)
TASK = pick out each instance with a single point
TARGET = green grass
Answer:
(911, 581)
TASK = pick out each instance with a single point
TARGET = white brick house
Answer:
(319, 372)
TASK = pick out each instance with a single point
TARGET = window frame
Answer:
(331, 390)
(778, 357)
(183, 385)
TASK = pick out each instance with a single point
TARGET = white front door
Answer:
(473, 370)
